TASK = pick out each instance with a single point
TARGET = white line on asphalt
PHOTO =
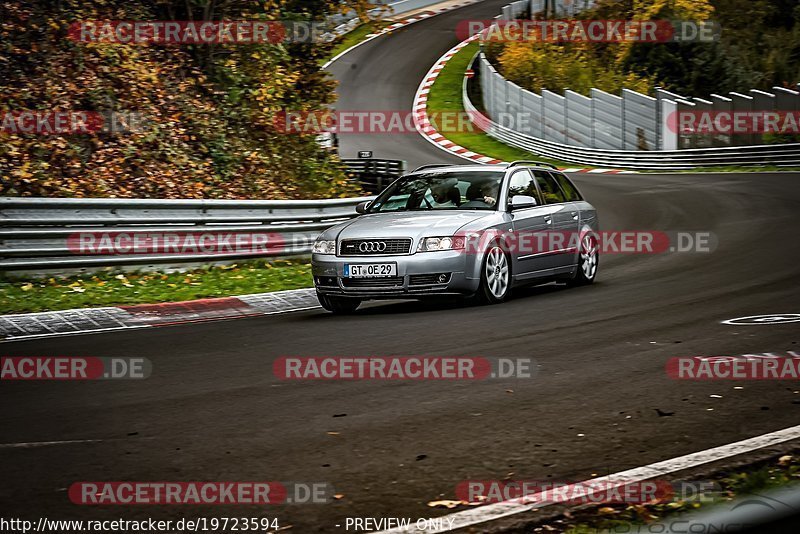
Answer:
(27, 337)
(493, 512)
(32, 444)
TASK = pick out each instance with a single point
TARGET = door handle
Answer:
(548, 220)
(574, 215)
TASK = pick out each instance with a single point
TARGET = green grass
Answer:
(354, 37)
(445, 95)
(109, 288)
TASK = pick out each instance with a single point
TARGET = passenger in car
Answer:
(481, 195)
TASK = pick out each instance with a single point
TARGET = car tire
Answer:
(495, 283)
(588, 262)
(338, 305)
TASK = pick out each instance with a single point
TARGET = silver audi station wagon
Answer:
(472, 230)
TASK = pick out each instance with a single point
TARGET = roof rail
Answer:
(529, 162)
(431, 166)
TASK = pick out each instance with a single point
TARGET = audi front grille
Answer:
(374, 247)
(388, 282)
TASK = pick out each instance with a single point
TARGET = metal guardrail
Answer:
(777, 155)
(60, 236)
(44, 234)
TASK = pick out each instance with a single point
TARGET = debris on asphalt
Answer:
(445, 504)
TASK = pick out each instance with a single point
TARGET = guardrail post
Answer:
(624, 124)
(659, 141)
(743, 104)
(566, 117)
(724, 104)
(762, 101)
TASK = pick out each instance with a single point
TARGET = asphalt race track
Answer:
(383, 75)
(600, 402)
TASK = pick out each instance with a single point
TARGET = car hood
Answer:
(409, 224)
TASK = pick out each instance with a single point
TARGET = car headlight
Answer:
(322, 246)
(430, 244)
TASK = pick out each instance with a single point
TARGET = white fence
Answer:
(629, 122)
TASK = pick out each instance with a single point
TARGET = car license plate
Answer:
(369, 270)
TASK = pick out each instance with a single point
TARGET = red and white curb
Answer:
(400, 24)
(427, 131)
(93, 320)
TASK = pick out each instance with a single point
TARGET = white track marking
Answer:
(499, 510)
(32, 444)
(775, 318)
(75, 333)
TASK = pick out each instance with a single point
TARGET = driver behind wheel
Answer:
(446, 194)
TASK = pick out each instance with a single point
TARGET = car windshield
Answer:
(465, 190)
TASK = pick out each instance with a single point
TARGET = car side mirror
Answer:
(519, 202)
(361, 207)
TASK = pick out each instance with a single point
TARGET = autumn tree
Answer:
(208, 109)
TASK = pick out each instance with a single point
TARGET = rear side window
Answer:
(522, 183)
(568, 187)
(550, 190)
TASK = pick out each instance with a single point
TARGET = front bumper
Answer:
(417, 275)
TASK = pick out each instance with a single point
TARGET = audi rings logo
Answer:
(371, 246)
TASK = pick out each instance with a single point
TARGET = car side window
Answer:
(550, 191)
(568, 187)
(522, 183)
